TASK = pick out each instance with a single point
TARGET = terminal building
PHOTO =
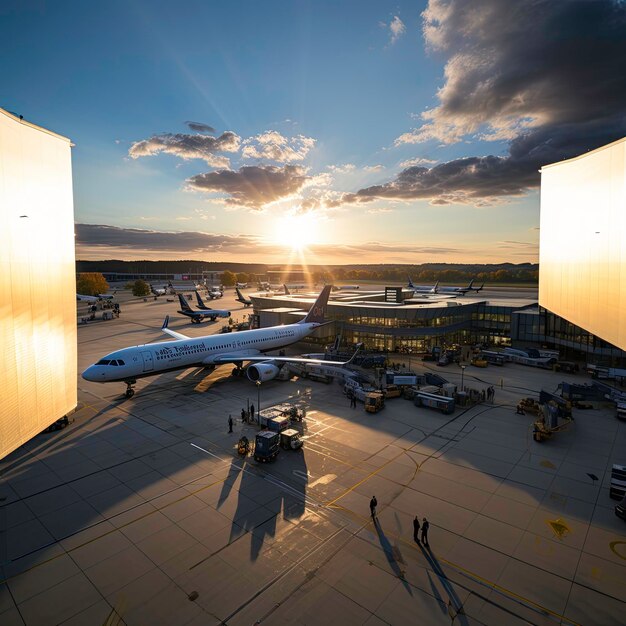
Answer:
(581, 309)
(37, 281)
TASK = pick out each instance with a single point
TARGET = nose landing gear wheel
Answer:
(130, 392)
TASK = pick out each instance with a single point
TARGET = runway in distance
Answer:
(444, 290)
(209, 351)
(199, 316)
(241, 298)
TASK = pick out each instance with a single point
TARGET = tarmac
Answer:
(141, 512)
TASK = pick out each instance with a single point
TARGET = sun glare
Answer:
(297, 231)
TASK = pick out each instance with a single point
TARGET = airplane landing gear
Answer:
(237, 371)
(130, 392)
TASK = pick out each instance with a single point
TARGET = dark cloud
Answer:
(200, 127)
(545, 75)
(136, 239)
(189, 147)
(252, 186)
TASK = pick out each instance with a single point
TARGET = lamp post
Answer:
(462, 373)
(258, 400)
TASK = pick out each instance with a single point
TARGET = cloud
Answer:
(380, 210)
(137, 239)
(273, 146)
(472, 180)
(200, 127)
(417, 161)
(545, 75)
(187, 147)
(396, 29)
(342, 169)
(373, 168)
(252, 187)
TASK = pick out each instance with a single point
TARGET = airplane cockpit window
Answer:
(103, 362)
(114, 363)
(120, 362)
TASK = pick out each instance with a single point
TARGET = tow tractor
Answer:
(290, 439)
(548, 422)
(374, 401)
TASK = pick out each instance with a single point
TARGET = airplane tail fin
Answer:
(239, 296)
(287, 292)
(199, 300)
(318, 310)
(410, 284)
(436, 287)
(471, 282)
(481, 287)
(184, 305)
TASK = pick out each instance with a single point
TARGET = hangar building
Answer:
(37, 281)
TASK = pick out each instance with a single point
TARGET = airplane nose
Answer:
(90, 374)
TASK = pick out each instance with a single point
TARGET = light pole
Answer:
(462, 373)
(258, 400)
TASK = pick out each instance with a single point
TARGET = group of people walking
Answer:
(424, 526)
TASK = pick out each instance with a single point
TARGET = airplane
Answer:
(287, 292)
(204, 307)
(242, 285)
(129, 364)
(215, 292)
(199, 316)
(462, 290)
(162, 291)
(241, 298)
(99, 296)
(423, 288)
(346, 287)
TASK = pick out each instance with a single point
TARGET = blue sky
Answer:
(343, 87)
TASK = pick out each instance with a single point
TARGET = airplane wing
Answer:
(170, 332)
(255, 357)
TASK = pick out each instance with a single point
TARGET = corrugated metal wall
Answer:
(37, 282)
(582, 262)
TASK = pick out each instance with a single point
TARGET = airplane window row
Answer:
(111, 362)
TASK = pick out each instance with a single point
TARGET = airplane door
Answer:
(148, 364)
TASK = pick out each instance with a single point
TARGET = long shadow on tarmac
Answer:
(393, 554)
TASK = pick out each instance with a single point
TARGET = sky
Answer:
(315, 132)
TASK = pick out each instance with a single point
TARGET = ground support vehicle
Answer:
(620, 410)
(548, 422)
(374, 401)
(266, 446)
(528, 405)
(392, 391)
(243, 446)
(478, 362)
(290, 439)
(434, 401)
(620, 509)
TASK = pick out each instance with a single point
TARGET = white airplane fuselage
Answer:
(151, 359)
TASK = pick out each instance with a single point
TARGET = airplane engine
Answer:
(262, 372)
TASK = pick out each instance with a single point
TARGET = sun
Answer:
(297, 231)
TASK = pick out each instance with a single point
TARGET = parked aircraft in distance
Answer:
(204, 307)
(423, 288)
(241, 298)
(162, 291)
(200, 316)
(209, 351)
(215, 292)
(242, 285)
(461, 290)
(99, 296)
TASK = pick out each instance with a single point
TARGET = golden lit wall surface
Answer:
(37, 281)
(582, 260)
